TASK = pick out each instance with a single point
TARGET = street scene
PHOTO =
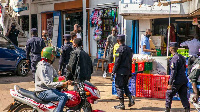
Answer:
(99, 55)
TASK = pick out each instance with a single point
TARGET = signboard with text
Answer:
(19, 5)
(145, 9)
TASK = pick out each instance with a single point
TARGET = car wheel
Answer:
(23, 68)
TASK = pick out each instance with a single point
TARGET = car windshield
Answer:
(4, 42)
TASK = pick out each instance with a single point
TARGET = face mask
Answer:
(79, 31)
(13, 27)
(148, 35)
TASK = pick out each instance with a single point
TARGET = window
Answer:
(4, 42)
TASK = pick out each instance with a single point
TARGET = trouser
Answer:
(35, 58)
(182, 91)
(191, 60)
(121, 84)
(54, 95)
(110, 60)
(63, 69)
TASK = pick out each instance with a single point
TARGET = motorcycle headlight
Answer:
(97, 92)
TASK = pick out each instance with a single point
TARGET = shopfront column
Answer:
(39, 19)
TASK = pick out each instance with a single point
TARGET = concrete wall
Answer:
(93, 43)
(128, 31)
(34, 10)
(144, 24)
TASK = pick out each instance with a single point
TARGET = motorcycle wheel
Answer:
(87, 108)
(24, 108)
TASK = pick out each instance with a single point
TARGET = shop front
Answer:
(51, 22)
(102, 21)
(72, 14)
(156, 18)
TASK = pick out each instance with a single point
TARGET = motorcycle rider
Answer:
(195, 76)
(44, 86)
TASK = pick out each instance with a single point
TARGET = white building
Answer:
(59, 16)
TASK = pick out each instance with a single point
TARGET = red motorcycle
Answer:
(79, 100)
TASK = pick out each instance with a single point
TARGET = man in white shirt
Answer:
(77, 30)
(194, 46)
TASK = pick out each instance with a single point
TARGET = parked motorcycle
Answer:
(78, 101)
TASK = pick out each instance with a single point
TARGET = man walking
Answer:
(178, 80)
(122, 69)
(194, 46)
(65, 54)
(80, 63)
(12, 34)
(110, 42)
(34, 46)
(194, 77)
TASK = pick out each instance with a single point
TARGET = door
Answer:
(8, 55)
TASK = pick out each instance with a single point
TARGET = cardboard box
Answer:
(157, 40)
(152, 46)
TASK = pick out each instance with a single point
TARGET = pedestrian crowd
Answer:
(75, 63)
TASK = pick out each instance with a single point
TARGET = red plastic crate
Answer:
(110, 67)
(140, 66)
(159, 86)
(143, 85)
(133, 68)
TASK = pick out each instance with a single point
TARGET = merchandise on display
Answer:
(142, 58)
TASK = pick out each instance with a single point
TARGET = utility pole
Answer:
(30, 24)
(85, 46)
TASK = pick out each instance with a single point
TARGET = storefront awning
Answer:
(195, 13)
(77, 4)
(150, 16)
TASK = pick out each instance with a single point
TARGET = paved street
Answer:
(106, 102)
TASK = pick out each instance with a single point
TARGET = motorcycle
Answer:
(78, 101)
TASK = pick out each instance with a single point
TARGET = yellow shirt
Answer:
(48, 42)
(116, 46)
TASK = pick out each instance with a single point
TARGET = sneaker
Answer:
(104, 74)
(131, 103)
(111, 77)
(120, 106)
(167, 110)
(187, 109)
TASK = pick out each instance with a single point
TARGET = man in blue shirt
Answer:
(194, 46)
(145, 45)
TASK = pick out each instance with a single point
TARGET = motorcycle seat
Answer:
(32, 95)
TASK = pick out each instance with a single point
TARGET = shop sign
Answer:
(145, 9)
(19, 5)
(195, 21)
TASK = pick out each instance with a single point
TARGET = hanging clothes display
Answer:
(103, 20)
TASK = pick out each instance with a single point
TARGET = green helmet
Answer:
(48, 53)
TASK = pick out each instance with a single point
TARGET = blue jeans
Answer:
(54, 95)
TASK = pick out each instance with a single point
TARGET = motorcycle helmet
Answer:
(59, 79)
(48, 53)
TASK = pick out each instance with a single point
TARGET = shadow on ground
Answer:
(8, 79)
